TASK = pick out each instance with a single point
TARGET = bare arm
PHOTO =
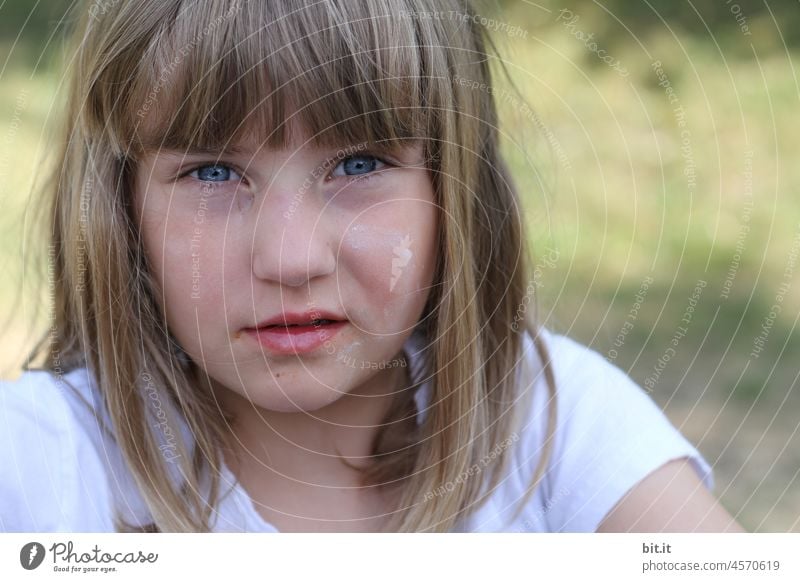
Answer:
(670, 499)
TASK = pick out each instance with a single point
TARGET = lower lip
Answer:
(297, 339)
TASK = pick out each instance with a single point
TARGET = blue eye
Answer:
(358, 166)
(213, 173)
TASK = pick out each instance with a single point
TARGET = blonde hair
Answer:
(146, 74)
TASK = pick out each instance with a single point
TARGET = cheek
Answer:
(412, 251)
(186, 259)
(389, 252)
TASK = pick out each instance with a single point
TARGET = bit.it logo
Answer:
(31, 555)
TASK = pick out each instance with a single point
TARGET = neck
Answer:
(312, 446)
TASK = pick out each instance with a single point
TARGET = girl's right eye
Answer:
(214, 173)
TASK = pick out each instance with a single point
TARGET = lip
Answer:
(296, 340)
(302, 337)
(297, 318)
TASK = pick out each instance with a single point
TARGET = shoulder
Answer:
(609, 435)
(53, 477)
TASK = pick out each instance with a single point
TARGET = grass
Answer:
(623, 209)
(25, 103)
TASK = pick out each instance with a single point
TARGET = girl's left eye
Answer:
(214, 173)
(359, 165)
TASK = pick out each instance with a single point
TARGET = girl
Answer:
(291, 287)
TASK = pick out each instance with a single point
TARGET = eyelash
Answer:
(357, 178)
(209, 183)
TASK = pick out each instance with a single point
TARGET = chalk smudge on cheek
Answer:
(383, 260)
(361, 237)
(346, 358)
(383, 245)
(348, 350)
(402, 254)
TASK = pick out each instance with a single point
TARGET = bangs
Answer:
(217, 73)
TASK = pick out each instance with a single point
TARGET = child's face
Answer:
(250, 236)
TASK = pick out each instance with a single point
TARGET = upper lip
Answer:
(299, 318)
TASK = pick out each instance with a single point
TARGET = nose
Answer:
(292, 243)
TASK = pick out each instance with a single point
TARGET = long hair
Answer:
(145, 74)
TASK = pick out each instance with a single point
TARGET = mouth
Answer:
(298, 333)
(310, 318)
(313, 323)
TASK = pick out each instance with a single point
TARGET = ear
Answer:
(670, 499)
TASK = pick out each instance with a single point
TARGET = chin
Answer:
(295, 399)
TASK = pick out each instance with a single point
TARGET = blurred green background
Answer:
(666, 224)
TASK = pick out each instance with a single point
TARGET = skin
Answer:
(271, 239)
(670, 499)
(294, 230)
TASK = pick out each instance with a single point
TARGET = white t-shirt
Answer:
(61, 471)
